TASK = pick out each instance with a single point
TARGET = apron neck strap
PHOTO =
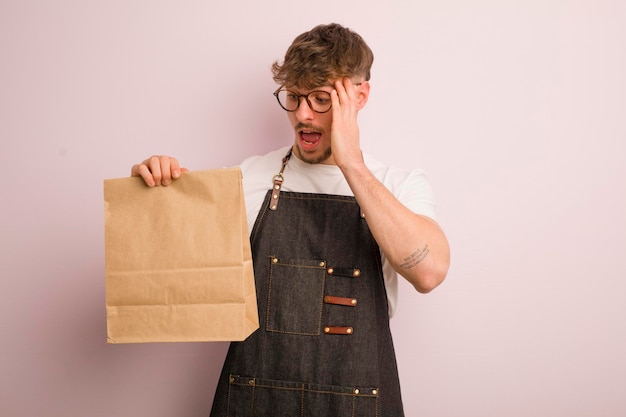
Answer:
(278, 181)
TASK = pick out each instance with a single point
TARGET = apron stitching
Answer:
(377, 406)
(302, 401)
(228, 400)
(269, 295)
(259, 220)
(252, 401)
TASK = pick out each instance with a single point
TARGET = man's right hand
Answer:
(158, 170)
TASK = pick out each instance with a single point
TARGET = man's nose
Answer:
(304, 111)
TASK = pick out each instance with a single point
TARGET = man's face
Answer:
(312, 131)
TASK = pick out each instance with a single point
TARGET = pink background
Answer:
(515, 109)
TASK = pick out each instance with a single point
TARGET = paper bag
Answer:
(177, 260)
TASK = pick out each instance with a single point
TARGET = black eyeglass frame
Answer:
(306, 97)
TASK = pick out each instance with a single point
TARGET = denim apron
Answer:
(324, 346)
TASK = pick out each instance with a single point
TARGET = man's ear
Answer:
(363, 94)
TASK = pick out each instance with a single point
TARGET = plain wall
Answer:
(515, 110)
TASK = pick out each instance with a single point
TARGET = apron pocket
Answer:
(295, 296)
(248, 396)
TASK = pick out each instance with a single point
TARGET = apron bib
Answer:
(323, 348)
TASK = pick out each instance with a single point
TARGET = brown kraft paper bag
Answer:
(178, 264)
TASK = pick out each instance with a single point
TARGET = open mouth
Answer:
(309, 138)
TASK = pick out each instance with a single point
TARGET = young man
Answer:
(331, 230)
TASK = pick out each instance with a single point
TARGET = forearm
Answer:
(414, 244)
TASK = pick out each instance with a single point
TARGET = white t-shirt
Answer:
(410, 187)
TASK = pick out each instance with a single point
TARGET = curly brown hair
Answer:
(324, 54)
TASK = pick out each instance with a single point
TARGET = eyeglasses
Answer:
(318, 100)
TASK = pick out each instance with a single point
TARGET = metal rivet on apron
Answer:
(326, 329)
(231, 379)
(356, 273)
(330, 271)
(356, 391)
(362, 215)
(273, 207)
(349, 330)
(322, 263)
(374, 392)
(274, 260)
(251, 382)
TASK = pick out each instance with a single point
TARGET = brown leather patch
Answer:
(342, 301)
(338, 330)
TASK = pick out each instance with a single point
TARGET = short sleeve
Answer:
(416, 193)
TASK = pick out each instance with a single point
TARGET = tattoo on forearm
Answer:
(415, 258)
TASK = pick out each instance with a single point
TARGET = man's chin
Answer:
(314, 157)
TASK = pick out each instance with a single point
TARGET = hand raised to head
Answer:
(347, 99)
